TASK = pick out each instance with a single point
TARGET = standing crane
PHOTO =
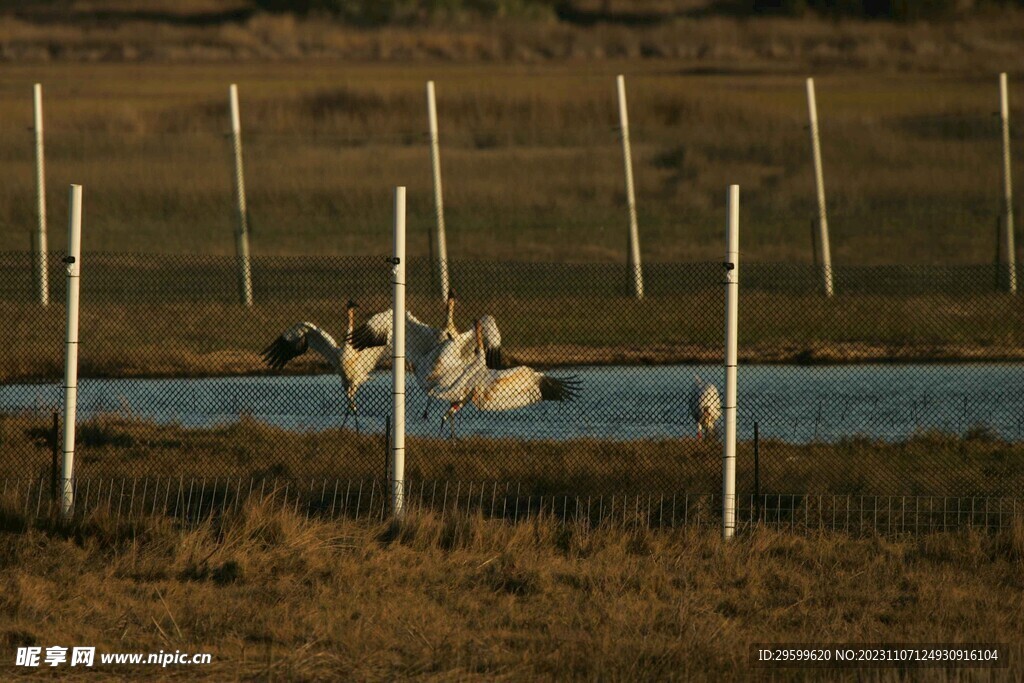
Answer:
(352, 365)
(705, 405)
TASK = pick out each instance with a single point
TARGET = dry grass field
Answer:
(275, 597)
(976, 463)
(531, 160)
(533, 174)
(177, 316)
(333, 117)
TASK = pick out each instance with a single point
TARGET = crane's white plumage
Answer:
(519, 387)
(351, 364)
(454, 360)
(466, 366)
(437, 356)
(705, 405)
(492, 388)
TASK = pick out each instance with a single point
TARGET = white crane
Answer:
(351, 364)
(449, 331)
(437, 355)
(449, 328)
(705, 405)
(445, 363)
(491, 388)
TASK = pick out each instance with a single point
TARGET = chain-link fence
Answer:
(532, 163)
(898, 403)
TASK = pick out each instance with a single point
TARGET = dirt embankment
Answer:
(244, 362)
(797, 354)
(706, 42)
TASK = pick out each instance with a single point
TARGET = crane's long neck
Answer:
(449, 324)
(479, 337)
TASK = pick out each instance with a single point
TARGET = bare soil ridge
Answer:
(230, 31)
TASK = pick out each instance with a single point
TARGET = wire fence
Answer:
(897, 404)
(912, 165)
(193, 500)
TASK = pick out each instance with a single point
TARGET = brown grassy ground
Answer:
(928, 464)
(160, 336)
(273, 596)
(532, 164)
(532, 174)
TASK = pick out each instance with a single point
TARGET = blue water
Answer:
(792, 403)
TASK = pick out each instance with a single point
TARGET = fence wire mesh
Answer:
(906, 386)
(912, 164)
(194, 500)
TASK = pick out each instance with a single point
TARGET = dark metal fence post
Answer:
(999, 252)
(54, 447)
(757, 475)
(387, 448)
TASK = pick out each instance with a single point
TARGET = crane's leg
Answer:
(426, 398)
(449, 417)
(419, 382)
(351, 410)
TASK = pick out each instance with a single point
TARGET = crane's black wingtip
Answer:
(269, 355)
(272, 355)
(364, 338)
(494, 358)
(281, 350)
(559, 388)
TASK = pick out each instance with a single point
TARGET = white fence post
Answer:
(398, 359)
(242, 232)
(440, 240)
(819, 184)
(74, 270)
(732, 298)
(1008, 255)
(636, 272)
(39, 241)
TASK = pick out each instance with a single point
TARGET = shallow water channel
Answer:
(792, 403)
